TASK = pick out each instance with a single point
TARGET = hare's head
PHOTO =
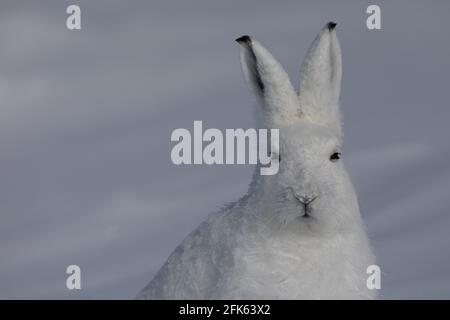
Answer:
(311, 188)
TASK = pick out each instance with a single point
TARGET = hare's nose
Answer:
(307, 199)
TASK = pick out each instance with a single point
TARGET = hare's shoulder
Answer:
(195, 266)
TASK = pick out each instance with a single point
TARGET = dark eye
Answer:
(335, 156)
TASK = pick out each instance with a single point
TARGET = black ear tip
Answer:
(331, 25)
(244, 39)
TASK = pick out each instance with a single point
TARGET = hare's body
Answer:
(297, 234)
(230, 257)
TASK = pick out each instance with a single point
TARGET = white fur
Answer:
(262, 247)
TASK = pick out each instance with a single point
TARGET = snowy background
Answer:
(86, 118)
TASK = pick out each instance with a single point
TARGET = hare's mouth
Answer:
(306, 215)
(306, 204)
(306, 211)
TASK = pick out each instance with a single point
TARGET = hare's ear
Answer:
(269, 82)
(320, 79)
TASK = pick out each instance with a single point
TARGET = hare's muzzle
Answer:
(306, 202)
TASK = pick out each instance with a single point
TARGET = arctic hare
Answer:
(297, 234)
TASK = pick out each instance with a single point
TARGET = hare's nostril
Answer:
(310, 200)
(303, 199)
(306, 200)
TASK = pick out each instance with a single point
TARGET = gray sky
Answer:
(86, 118)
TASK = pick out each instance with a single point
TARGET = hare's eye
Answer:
(335, 156)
